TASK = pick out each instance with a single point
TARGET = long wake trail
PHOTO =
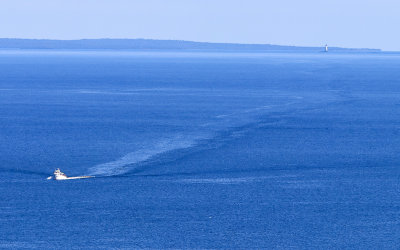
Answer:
(130, 161)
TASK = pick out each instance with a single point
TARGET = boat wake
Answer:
(221, 131)
(132, 160)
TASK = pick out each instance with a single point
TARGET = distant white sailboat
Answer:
(326, 47)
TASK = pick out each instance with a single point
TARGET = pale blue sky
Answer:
(346, 23)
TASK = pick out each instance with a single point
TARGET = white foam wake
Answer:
(127, 163)
(132, 160)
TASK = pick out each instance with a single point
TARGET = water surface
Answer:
(199, 150)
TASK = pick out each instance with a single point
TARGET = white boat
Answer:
(58, 175)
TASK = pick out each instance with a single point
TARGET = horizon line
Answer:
(191, 41)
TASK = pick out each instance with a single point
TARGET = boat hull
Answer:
(74, 178)
(62, 178)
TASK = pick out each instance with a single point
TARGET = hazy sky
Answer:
(346, 23)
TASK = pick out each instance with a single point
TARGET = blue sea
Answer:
(199, 150)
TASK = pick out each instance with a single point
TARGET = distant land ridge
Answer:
(150, 44)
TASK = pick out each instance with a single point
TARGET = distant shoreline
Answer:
(150, 45)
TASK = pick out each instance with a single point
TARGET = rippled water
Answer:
(199, 150)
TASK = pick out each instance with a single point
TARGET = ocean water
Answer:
(199, 150)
